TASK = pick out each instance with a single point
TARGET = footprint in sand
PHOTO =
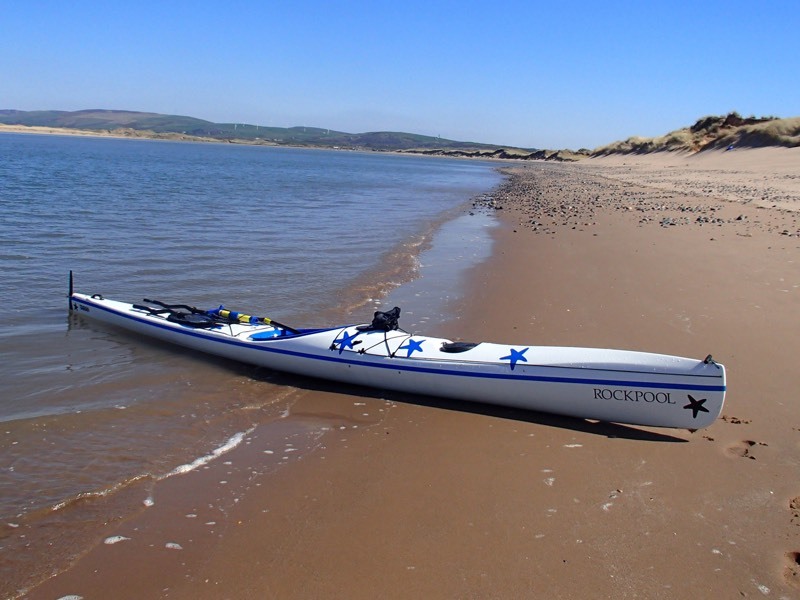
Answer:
(793, 569)
(744, 449)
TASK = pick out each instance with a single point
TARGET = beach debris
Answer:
(761, 587)
(173, 546)
(735, 420)
(794, 508)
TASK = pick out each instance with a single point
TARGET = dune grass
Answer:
(714, 132)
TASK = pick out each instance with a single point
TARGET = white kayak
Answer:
(607, 385)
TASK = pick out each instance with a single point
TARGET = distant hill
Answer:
(711, 133)
(142, 124)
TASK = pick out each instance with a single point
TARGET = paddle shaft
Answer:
(221, 314)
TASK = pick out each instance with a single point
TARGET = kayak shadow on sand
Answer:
(312, 384)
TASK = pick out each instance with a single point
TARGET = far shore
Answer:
(121, 133)
(782, 160)
(139, 134)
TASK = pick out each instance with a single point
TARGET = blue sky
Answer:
(530, 74)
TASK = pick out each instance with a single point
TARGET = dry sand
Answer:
(35, 129)
(416, 498)
(120, 132)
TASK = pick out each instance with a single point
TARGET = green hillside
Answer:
(112, 120)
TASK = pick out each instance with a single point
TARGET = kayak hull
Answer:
(608, 385)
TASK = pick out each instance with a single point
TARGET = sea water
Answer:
(308, 237)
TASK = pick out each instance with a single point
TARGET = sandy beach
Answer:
(120, 133)
(39, 130)
(411, 497)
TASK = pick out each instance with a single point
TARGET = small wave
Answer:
(232, 442)
(98, 494)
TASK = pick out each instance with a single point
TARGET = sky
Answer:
(519, 73)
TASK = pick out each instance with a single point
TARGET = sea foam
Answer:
(229, 445)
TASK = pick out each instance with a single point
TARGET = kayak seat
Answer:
(455, 347)
(383, 321)
(193, 320)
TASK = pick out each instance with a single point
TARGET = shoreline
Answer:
(420, 497)
(128, 498)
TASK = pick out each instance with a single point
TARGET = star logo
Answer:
(346, 341)
(412, 346)
(515, 357)
(696, 406)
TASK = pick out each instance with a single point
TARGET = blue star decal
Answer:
(346, 341)
(411, 346)
(515, 356)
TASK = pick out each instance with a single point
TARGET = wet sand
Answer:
(412, 497)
